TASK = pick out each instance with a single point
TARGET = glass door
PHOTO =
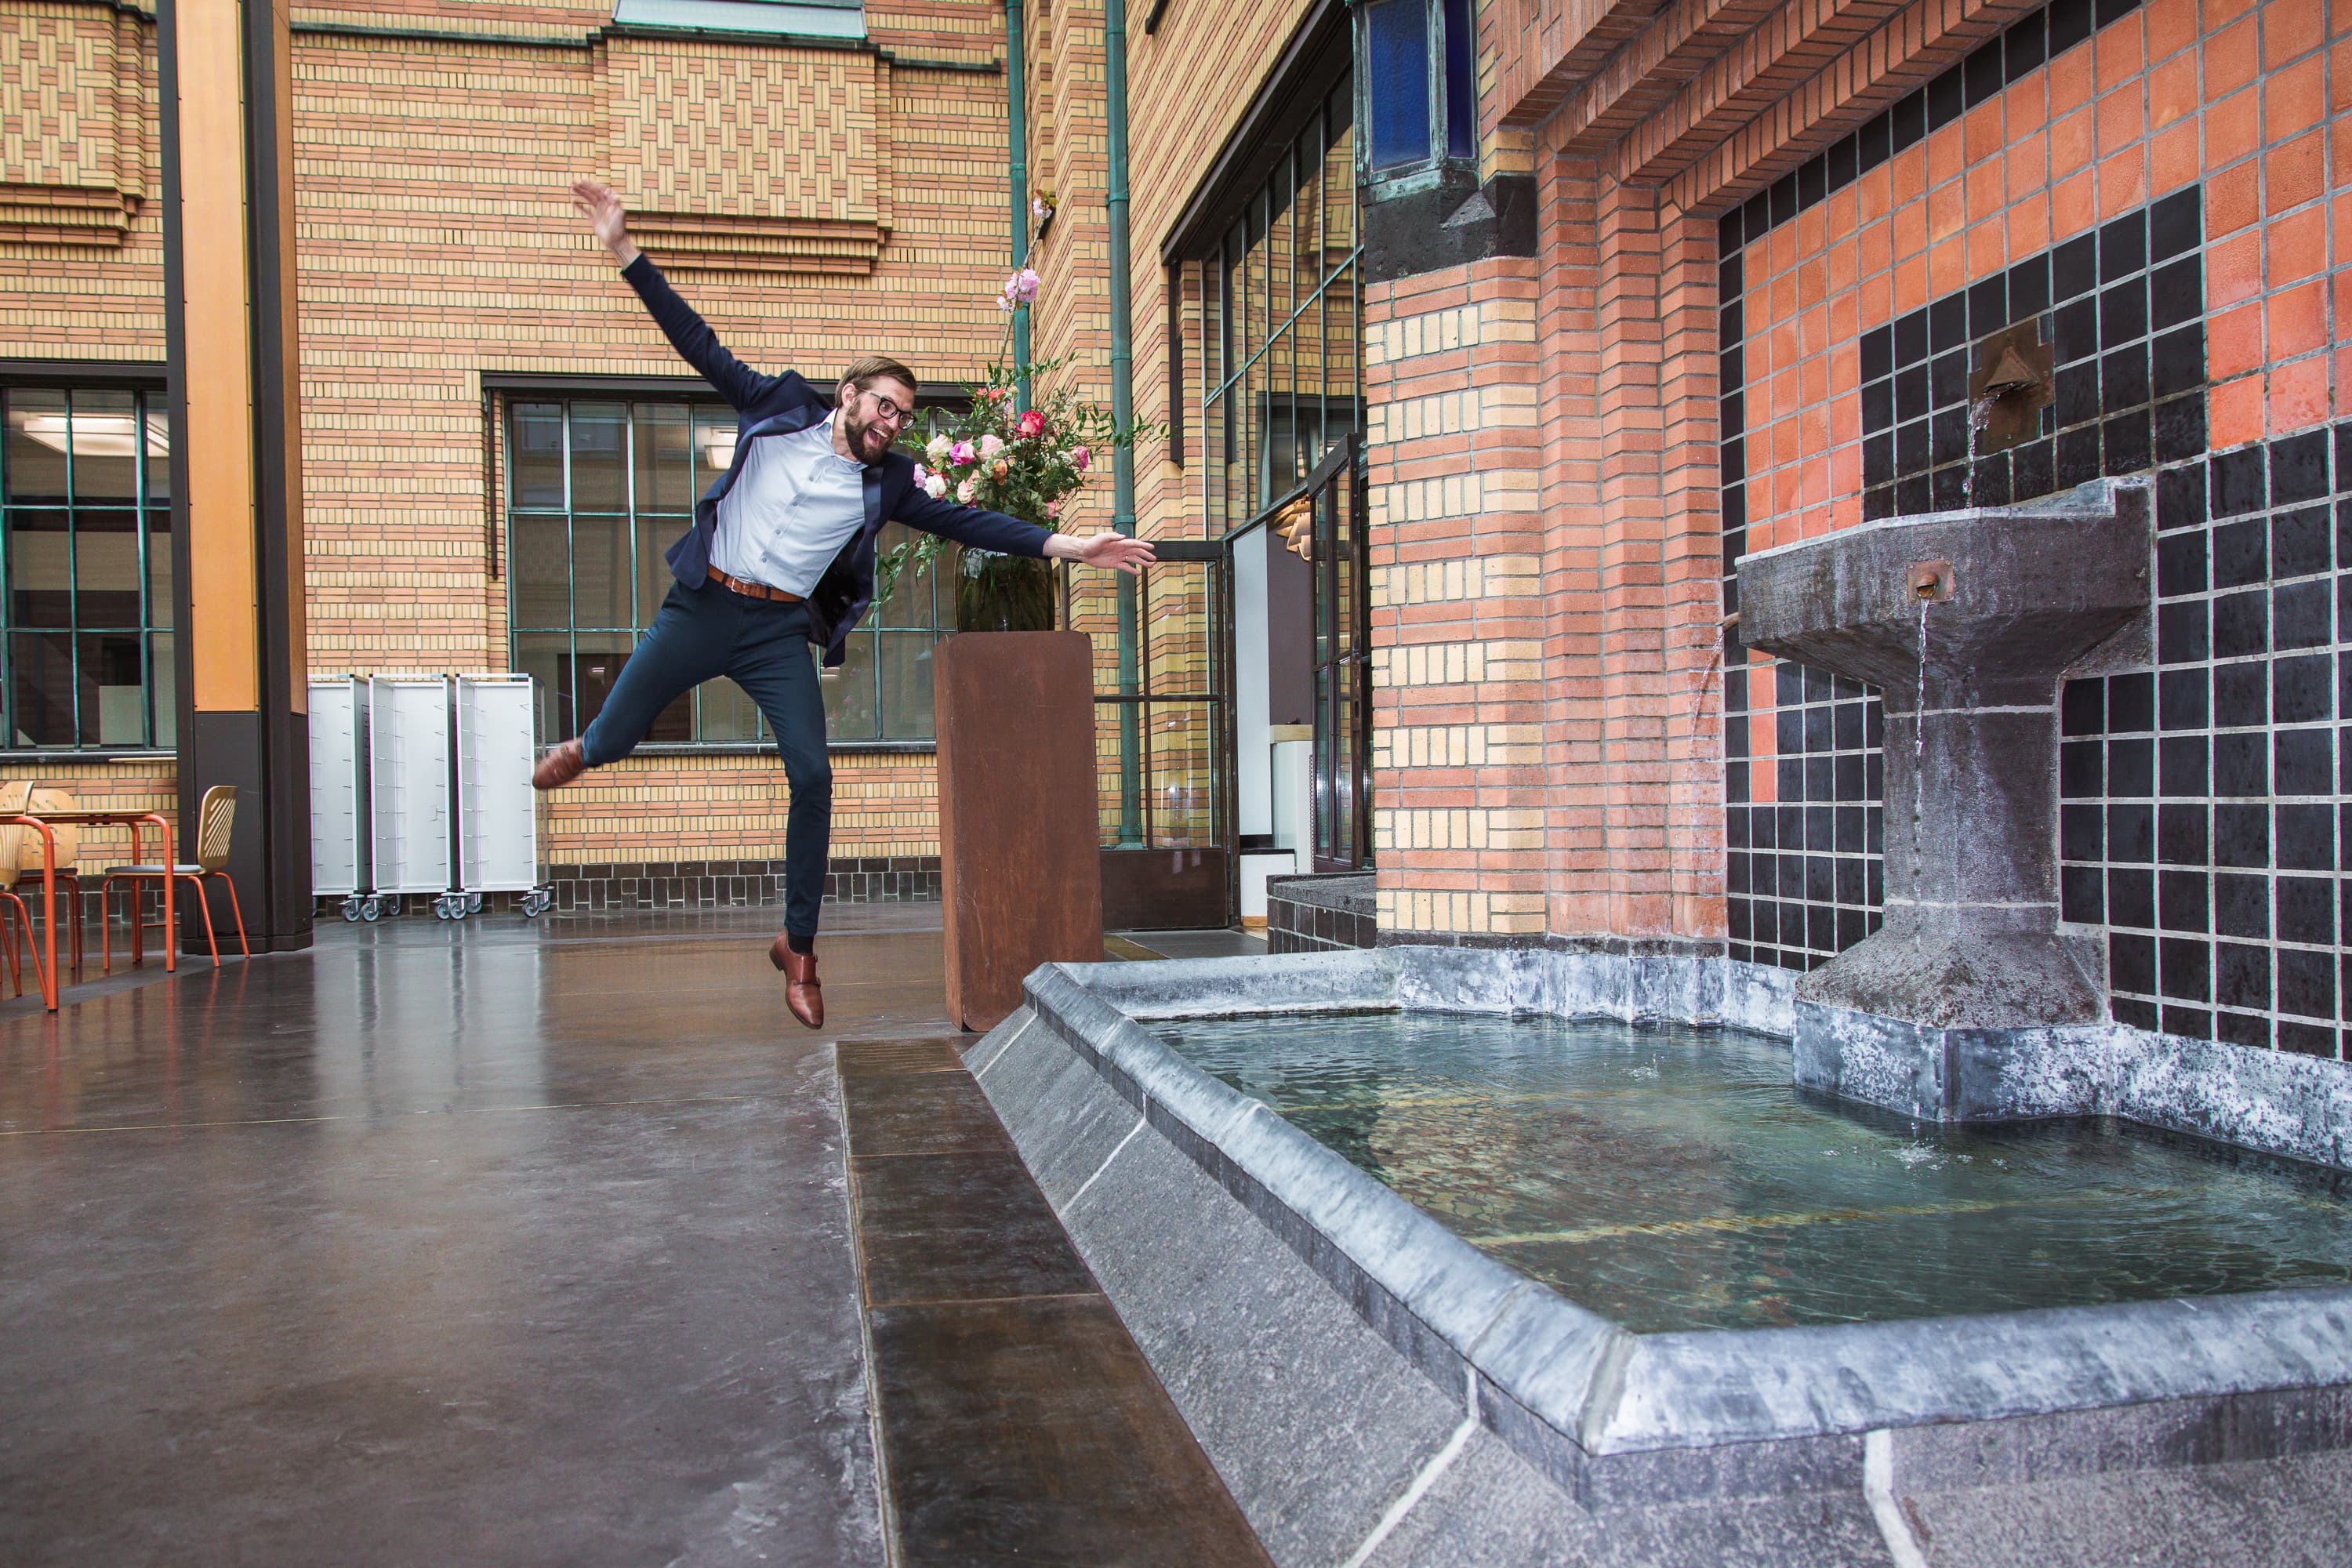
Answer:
(1343, 666)
(1160, 648)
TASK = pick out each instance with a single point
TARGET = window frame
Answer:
(1430, 169)
(152, 478)
(509, 394)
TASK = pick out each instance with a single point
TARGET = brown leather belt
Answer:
(755, 590)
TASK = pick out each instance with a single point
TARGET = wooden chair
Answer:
(15, 798)
(215, 817)
(66, 837)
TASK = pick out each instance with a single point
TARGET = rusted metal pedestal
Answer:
(1020, 869)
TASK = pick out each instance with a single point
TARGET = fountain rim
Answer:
(1559, 1381)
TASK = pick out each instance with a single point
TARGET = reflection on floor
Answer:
(1019, 1422)
(485, 1241)
(1133, 944)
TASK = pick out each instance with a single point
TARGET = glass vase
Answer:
(1004, 593)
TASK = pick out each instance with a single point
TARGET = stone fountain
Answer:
(1965, 621)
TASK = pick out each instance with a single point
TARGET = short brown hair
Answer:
(868, 369)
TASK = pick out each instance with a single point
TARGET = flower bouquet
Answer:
(1029, 464)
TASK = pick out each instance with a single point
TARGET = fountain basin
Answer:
(1966, 621)
(1329, 1341)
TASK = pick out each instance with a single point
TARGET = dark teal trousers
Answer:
(762, 647)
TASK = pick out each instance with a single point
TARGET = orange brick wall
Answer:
(2239, 96)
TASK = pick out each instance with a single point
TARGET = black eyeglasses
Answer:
(885, 409)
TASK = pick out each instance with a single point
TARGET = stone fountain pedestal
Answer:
(1965, 621)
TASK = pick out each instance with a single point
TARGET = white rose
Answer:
(935, 486)
(936, 449)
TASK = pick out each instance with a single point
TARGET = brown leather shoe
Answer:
(802, 993)
(560, 765)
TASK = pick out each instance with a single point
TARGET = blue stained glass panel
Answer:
(1397, 87)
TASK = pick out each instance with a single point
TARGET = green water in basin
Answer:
(1671, 1178)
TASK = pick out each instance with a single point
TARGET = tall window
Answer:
(1281, 319)
(596, 493)
(85, 550)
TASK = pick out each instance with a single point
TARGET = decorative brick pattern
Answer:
(77, 156)
(718, 884)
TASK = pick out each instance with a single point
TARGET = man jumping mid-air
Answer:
(781, 556)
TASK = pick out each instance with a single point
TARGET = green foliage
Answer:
(1030, 465)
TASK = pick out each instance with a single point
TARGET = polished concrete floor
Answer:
(481, 1243)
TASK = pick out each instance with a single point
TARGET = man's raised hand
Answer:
(594, 200)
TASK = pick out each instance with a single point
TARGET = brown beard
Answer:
(858, 433)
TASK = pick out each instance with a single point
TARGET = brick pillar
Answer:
(1634, 838)
(1455, 453)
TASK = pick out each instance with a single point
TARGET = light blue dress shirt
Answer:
(794, 506)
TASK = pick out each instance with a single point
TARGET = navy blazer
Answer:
(778, 405)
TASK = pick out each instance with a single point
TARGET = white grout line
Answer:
(1090, 1181)
(1415, 1492)
(1878, 1485)
(1010, 1040)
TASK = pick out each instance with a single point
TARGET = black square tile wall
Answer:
(2203, 818)
(1804, 871)
(2122, 310)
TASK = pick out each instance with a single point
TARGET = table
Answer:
(133, 820)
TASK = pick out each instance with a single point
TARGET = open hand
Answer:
(594, 200)
(1115, 550)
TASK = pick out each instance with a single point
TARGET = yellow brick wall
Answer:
(813, 204)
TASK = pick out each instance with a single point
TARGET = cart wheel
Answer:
(391, 905)
(352, 907)
(473, 903)
(371, 909)
(457, 909)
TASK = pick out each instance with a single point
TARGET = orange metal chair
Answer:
(214, 817)
(68, 840)
(15, 798)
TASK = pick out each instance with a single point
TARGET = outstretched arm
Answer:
(994, 531)
(687, 333)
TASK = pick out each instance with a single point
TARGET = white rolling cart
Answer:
(497, 817)
(408, 781)
(339, 795)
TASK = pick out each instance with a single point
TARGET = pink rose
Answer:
(1032, 424)
(990, 445)
(964, 492)
(1052, 508)
(921, 473)
(960, 454)
(1078, 458)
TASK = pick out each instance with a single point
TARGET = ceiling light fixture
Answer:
(95, 435)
